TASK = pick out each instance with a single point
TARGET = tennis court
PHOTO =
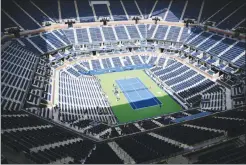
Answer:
(137, 94)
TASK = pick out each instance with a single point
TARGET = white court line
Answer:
(130, 84)
(135, 90)
(129, 98)
(141, 98)
(151, 94)
(139, 82)
(125, 86)
(139, 94)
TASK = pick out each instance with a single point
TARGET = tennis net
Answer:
(133, 90)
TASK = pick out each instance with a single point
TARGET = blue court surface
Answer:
(137, 94)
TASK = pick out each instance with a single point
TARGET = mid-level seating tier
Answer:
(189, 84)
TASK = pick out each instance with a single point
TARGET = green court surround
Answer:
(122, 108)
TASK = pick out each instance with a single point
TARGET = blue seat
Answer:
(106, 63)
(175, 11)
(133, 32)
(85, 11)
(121, 33)
(101, 10)
(95, 34)
(193, 8)
(51, 8)
(42, 44)
(117, 10)
(225, 43)
(53, 40)
(19, 16)
(161, 32)
(173, 33)
(96, 65)
(116, 61)
(69, 34)
(82, 36)
(131, 8)
(108, 33)
(68, 9)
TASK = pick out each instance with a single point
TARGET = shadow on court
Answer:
(125, 113)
